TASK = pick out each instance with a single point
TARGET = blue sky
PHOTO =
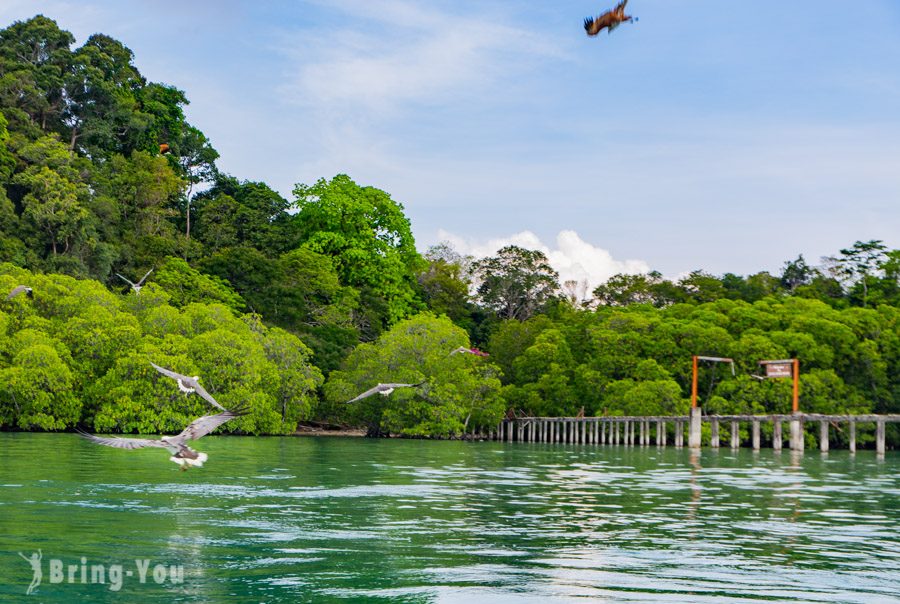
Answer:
(711, 134)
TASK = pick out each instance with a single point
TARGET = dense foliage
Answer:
(294, 306)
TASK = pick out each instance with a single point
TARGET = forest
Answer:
(295, 306)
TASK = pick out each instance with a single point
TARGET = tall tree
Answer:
(516, 283)
(369, 238)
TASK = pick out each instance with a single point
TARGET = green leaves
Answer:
(458, 392)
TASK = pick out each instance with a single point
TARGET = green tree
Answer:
(516, 283)
(454, 390)
(369, 239)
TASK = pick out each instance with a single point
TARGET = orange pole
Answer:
(796, 373)
(694, 385)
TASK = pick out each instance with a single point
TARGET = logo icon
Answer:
(35, 562)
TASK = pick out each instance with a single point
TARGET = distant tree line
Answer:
(296, 305)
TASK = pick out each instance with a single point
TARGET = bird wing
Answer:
(144, 277)
(461, 349)
(169, 372)
(16, 291)
(122, 443)
(202, 426)
(124, 279)
(382, 388)
(206, 395)
(367, 393)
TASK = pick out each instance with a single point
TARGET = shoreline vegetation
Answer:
(295, 306)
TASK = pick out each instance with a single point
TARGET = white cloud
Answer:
(573, 258)
(391, 52)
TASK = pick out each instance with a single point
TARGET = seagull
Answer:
(383, 390)
(182, 454)
(609, 20)
(188, 384)
(18, 290)
(464, 350)
(136, 286)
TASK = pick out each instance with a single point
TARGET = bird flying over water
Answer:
(188, 384)
(135, 286)
(22, 289)
(182, 454)
(383, 390)
(609, 20)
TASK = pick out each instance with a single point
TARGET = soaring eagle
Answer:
(21, 289)
(188, 384)
(135, 286)
(182, 454)
(609, 20)
(383, 390)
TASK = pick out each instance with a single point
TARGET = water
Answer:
(337, 519)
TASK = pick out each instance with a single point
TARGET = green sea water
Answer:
(343, 519)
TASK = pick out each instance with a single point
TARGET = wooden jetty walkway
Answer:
(636, 430)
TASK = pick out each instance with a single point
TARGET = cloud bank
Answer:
(573, 258)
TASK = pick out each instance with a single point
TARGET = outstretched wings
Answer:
(122, 443)
(381, 388)
(189, 381)
(611, 19)
(202, 426)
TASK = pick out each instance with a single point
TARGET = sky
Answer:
(727, 136)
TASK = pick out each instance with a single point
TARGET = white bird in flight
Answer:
(182, 454)
(20, 290)
(188, 384)
(135, 286)
(383, 390)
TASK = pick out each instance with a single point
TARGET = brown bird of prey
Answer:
(22, 289)
(182, 454)
(609, 20)
(383, 390)
(188, 384)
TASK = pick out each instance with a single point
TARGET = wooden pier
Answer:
(639, 431)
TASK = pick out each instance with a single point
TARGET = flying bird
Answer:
(383, 390)
(22, 289)
(136, 286)
(464, 350)
(182, 454)
(609, 20)
(188, 384)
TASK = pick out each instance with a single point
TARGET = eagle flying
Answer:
(182, 454)
(609, 20)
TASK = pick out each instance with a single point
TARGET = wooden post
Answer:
(642, 433)
(777, 438)
(756, 435)
(583, 431)
(647, 433)
(879, 437)
(796, 373)
(735, 435)
(660, 434)
(852, 436)
(694, 429)
(679, 433)
(616, 433)
(823, 436)
(714, 433)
